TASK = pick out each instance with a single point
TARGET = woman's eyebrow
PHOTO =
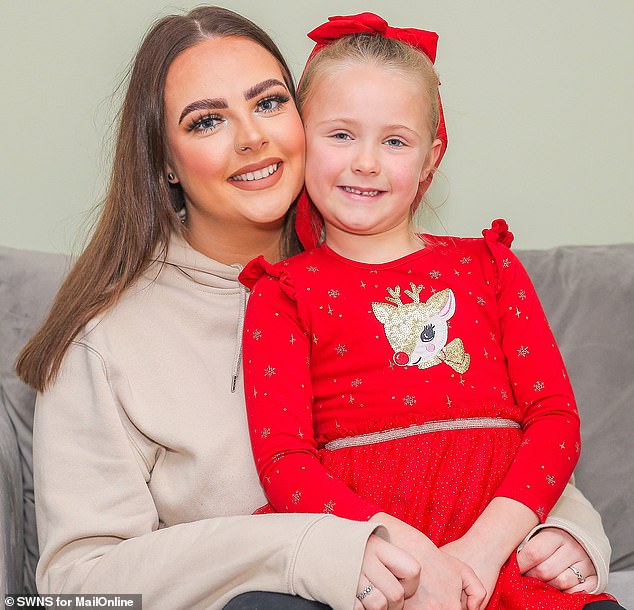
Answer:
(254, 91)
(219, 102)
(210, 104)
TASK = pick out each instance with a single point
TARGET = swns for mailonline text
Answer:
(70, 600)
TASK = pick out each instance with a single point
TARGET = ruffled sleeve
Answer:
(550, 423)
(259, 270)
(498, 233)
(259, 267)
(253, 271)
(498, 240)
(277, 345)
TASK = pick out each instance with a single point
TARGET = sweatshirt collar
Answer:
(198, 267)
(206, 271)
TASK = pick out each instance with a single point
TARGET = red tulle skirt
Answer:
(440, 483)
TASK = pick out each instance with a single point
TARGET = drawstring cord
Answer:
(241, 313)
(238, 353)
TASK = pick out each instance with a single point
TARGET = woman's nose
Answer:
(250, 137)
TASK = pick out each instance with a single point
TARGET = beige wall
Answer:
(538, 97)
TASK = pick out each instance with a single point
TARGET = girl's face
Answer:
(368, 148)
(235, 139)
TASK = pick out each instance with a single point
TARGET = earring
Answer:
(171, 178)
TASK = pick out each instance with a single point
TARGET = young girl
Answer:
(392, 372)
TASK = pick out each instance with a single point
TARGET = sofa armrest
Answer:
(28, 282)
(11, 508)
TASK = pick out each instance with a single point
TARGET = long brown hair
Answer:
(140, 209)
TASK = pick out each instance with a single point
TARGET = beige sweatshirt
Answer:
(144, 478)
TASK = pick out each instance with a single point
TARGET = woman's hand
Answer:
(548, 556)
(389, 575)
(446, 583)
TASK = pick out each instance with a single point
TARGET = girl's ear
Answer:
(431, 161)
(426, 174)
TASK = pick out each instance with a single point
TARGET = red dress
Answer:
(337, 349)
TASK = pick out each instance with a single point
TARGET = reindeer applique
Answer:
(418, 332)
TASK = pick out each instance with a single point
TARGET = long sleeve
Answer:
(100, 493)
(551, 440)
(574, 514)
(279, 398)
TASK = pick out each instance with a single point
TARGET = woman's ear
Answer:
(172, 178)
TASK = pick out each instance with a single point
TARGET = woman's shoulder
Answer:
(134, 309)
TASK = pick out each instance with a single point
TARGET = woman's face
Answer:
(235, 139)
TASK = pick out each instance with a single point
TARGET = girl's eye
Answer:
(396, 142)
(272, 103)
(341, 136)
(205, 124)
(428, 333)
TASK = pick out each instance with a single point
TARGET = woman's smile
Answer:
(257, 176)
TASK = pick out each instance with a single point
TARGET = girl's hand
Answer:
(548, 556)
(486, 568)
(492, 539)
(388, 576)
(445, 582)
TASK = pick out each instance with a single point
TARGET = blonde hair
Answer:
(374, 49)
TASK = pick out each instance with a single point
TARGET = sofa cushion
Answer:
(11, 510)
(621, 585)
(28, 282)
(588, 295)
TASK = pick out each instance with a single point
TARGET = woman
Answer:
(142, 463)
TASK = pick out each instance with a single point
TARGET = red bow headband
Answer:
(309, 223)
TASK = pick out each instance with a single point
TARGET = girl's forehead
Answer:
(338, 71)
(373, 77)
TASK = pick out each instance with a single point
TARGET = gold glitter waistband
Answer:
(432, 426)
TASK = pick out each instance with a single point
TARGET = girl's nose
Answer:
(366, 162)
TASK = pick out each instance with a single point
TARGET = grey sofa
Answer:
(588, 294)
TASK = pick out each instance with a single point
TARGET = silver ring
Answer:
(365, 592)
(580, 577)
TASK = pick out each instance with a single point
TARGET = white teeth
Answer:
(265, 172)
(349, 189)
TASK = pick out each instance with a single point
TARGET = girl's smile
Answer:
(361, 192)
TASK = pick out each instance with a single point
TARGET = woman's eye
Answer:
(205, 123)
(428, 334)
(273, 103)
